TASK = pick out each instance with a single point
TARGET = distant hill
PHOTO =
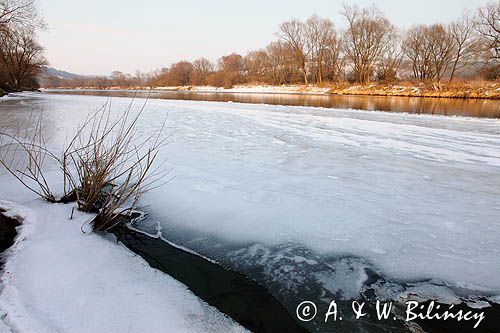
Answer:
(49, 75)
(49, 71)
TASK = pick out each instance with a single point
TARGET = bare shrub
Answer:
(107, 165)
(490, 72)
(23, 154)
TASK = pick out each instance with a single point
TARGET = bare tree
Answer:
(233, 68)
(21, 57)
(180, 73)
(367, 36)
(276, 64)
(257, 66)
(282, 62)
(201, 69)
(488, 25)
(441, 50)
(139, 79)
(321, 37)
(294, 33)
(119, 79)
(416, 49)
(333, 60)
(390, 59)
(466, 44)
(430, 49)
(16, 14)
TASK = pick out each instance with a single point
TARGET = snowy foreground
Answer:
(287, 191)
(57, 279)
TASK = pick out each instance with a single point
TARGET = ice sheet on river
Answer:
(417, 197)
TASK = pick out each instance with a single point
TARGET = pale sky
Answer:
(99, 36)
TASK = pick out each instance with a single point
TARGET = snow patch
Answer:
(57, 279)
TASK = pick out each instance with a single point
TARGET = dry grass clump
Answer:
(107, 165)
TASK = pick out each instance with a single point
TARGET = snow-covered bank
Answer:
(57, 279)
(258, 89)
(491, 90)
(473, 90)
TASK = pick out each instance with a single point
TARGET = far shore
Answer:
(490, 90)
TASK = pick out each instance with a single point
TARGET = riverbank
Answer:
(5, 92)
(482, 91)
(473, 90)
(57, 279)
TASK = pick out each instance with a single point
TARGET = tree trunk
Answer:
(305, 72)
(320, 74)
(452, 74)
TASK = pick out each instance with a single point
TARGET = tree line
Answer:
(369, 49)
(21, 56)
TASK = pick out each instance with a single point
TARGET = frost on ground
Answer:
(57, 279)
(289, 190)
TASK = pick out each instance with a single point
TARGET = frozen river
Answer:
(314, 202)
